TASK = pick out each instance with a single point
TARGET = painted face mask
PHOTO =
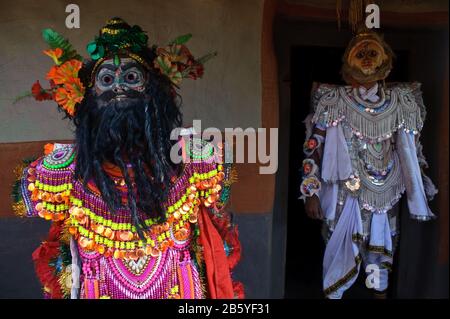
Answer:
(126, 80)
(367, 56)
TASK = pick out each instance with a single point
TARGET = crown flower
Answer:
(55, 54)
(39, 93)
(65, 73)
(66, 88)
(68, 95)
(176, 61)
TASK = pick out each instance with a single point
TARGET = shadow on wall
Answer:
(20, 237)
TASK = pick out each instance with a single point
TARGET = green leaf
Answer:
(182, 39)
(22, 96)
(163, 65)
(206, 57)
(91, 47)
(116, 60)
(96, 51)
(55, 40)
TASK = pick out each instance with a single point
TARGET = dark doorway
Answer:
(305, 246)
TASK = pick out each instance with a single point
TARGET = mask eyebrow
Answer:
(109, 67)
(130, 65)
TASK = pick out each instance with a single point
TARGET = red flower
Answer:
(39, 93)
(312, 143)
(307, 168)
(196, 71)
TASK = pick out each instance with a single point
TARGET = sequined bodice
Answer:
(370, 131)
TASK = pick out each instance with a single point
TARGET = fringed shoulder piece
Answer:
(21, 173)
(412, 91)
(400, 106)
(46, 183)
(43, 189)
(213, 175)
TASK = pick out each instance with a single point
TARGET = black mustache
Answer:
(109, 95)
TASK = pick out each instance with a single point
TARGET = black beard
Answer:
(132, 130)
(118, 126)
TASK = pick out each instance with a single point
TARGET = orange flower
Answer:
(76, 90)
(53, 73)
(66, 72)
(63, 99)
(48, 148)
(54, 54)
(66, 86)
(69, 95)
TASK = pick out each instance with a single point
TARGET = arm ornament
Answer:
(310, 186)
(312, 144)
(309, 167)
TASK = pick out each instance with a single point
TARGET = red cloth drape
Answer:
(42, 256)
(218, 275)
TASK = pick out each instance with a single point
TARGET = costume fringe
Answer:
(384, 195)
(402, 110)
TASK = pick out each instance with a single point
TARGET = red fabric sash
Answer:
(218, 275)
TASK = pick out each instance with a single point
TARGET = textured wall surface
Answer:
(229, 95)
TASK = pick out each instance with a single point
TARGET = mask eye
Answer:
(360, 55)
(132, 77)
(107, 79)
(373, 53)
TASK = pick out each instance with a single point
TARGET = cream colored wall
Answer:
(229, 95)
